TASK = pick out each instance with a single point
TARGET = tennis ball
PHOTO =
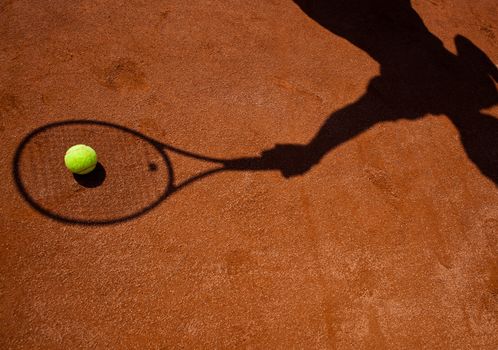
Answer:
(80, 159)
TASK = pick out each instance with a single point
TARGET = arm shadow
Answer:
(418, 76)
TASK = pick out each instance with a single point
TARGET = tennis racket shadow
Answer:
(134, 175)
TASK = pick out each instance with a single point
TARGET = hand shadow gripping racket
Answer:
(137, 170)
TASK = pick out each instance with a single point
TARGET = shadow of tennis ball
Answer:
(93, 179)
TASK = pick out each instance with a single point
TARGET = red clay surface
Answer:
(383, 234)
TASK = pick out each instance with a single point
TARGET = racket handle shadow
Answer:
(246, 164)
(290, 159)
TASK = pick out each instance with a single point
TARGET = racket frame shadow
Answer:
(169, 189)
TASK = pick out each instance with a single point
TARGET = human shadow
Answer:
(418, 76)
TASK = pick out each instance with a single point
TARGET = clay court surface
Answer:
(356, 201)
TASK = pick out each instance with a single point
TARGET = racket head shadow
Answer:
(133, 175)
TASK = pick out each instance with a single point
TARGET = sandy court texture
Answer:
(362, 215)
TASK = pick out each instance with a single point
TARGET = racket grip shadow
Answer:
(290, 159)
(249, 163)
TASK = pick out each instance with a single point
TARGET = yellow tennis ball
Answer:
(80, 159)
